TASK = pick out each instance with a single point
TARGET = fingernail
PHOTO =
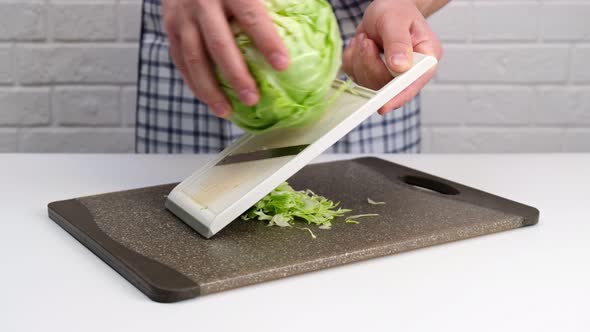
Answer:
(352, 42)
(399, 59)
(221, 109)
(361, 37)
(279, 60)
(248, 97)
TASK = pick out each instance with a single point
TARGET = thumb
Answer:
(397, 45)
(425, 40)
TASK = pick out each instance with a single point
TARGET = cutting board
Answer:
(168, 261)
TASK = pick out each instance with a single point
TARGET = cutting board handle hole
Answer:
(429, 185)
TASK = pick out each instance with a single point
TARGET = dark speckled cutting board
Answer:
(168, 261)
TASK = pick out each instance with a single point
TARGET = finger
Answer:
(357, 71)
(375, 73)
(222, 48)
(360, 28)
(255, 21)
(172, 25)
(425, 40)
(198, 67)
(178, 60)
(357, 61)
(408, 93)
(348, 58)
(397, 44)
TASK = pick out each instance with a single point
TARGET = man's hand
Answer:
(396, 27)
(200, 37)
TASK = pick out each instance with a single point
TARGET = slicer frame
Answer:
(219, 192)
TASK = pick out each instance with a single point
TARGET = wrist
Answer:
(422, 5)
(428, 7)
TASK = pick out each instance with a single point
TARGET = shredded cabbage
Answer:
(284, 206)
(297, 95)
(372, 202)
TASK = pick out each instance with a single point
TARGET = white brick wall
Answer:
(515, 76)
(67, 75)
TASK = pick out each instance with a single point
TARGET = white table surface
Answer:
(531, 279)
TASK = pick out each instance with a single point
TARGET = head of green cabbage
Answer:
(297, 95)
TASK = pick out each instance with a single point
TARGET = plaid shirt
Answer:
(171, 120)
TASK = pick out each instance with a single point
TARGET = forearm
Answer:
(429, 7)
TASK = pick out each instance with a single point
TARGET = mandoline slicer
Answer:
(254, 165)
